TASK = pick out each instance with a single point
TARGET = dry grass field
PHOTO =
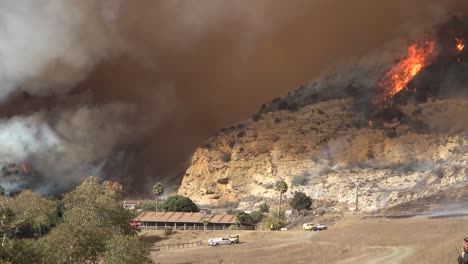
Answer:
(351, 240)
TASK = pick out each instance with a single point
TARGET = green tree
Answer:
(244, 218)
(158, 189)
(264, 207)
(272, 221)
(92, 216)
(122, 249)
(149, 207)
(179, 203)
(28, 215)
(301, 201)
(20, 251)
(257, 217)
(282, 187)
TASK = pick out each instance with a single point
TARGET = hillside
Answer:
(324, 148)
(393, 131)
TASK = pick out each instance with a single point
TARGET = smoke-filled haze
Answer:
(127, 89)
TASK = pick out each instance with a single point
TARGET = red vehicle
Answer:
(135, 223)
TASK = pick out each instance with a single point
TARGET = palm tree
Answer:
(158, 189)
(281, 186)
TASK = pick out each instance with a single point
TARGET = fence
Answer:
(176, 246)
(191, 227)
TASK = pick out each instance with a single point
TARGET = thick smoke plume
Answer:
(50, 45)
(47, 48)
(127, 89)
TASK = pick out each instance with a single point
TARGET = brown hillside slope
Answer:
(325, 148)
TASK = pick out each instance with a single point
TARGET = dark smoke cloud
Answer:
(178, 71)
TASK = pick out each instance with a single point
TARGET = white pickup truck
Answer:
(220, 241)
(321, 227)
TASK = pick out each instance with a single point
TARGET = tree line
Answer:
(89, 225)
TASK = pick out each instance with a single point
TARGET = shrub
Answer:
(206, 145)
(239, 126)
(257, 217)
(439, 173)
(300, 180)
(326, 171)
(149, 207)
(293, 107)
(256, 117)
(301, 201)
(271, 221)
(226, 157)
(241, 134)
(283, 105)
(232, 211)
(223, 181)
(264, 207)
(168, 231)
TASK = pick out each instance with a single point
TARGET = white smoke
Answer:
(47, 46)
(66, 145)
(22, 137)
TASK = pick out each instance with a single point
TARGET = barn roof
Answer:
(178, 217)
(223, 218)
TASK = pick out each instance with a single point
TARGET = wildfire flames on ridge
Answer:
(423, 70)
(419, 56)
(460, 44)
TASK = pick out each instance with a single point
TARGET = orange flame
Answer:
(398, 77)
(460, 44)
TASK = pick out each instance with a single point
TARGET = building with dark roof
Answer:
(185, 221)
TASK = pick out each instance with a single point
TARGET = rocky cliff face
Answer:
(327, 148)
(392, 131)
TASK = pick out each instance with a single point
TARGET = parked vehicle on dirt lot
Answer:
(234, 238)
(309, 227)
(321, 227)
(220, 241)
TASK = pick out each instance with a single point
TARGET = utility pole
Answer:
(357, 197)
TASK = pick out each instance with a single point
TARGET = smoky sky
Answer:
(161, 77)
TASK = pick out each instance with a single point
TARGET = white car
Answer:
(321, 227)
(220, 241)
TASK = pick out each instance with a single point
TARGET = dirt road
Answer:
(352, 240)
(386, 255)
(394, 255)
